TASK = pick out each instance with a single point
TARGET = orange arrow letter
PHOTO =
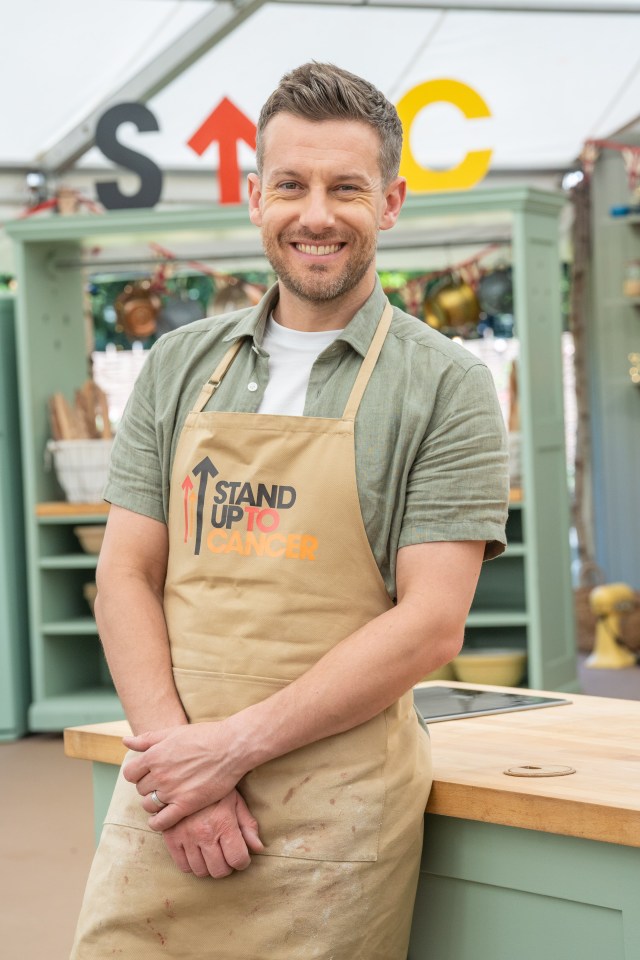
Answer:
(227, 126)
(187, 486)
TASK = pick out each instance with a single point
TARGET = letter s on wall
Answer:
(150, 175)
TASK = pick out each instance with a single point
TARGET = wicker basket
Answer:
(81, 467)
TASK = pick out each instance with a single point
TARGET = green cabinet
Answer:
(499, 614)
(488, 892)
(71, 682)
(523, 598)
(614, 334)
(14, 639)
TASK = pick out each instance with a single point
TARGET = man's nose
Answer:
(317, 214)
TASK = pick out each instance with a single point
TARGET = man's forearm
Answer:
(355, 681)
(373, 667)
(133, 631)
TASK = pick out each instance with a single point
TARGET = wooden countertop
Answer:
(596, 736)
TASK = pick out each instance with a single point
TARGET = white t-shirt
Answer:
(292, 354)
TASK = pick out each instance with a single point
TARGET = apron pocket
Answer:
(125, 808)
(322, 802)
(215, 696)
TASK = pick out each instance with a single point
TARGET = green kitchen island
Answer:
(515, 867)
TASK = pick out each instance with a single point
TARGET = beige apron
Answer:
(270, 567)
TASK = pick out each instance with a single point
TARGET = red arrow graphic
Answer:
(226, 126)
(187, 486)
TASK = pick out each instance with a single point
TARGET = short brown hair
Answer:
(322, 91)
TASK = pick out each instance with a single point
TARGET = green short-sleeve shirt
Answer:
(431, 454)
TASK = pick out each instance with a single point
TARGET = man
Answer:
(302, 496)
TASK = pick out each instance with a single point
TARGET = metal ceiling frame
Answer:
(185, 50)
(492, 6)
(225, 16)
(508, 6)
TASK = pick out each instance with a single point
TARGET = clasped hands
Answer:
(207, 827)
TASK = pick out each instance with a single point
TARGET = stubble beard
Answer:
(314, 283)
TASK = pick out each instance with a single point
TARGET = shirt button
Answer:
(253, 386)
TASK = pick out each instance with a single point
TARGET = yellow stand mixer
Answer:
(608, 602)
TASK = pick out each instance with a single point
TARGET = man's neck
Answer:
(290, 311)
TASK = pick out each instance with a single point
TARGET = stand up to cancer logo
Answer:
(242, 516)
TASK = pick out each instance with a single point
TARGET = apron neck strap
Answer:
(359, 387)
(215, 379)
(367, 365)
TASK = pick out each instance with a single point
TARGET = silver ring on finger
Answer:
(158, 802)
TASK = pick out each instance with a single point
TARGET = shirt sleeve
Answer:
(135, 478)
(458, 486)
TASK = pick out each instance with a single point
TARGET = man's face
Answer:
(320, 203)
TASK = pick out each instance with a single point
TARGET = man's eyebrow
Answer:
(354, 177)
(281, 172)
(341, 177)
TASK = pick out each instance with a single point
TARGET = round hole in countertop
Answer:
(533, 770)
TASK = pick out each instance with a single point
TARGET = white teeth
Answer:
(318, 251)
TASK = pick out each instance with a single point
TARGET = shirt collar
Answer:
(358, 333)
(252, 324)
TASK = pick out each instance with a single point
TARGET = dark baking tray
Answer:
(454, 703)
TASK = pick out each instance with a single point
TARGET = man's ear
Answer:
(394, 197)
(255, 196)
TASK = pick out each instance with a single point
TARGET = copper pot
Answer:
(453, 304)
(137, 310)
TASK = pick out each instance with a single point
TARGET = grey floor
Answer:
(46, 845)
(46, 833)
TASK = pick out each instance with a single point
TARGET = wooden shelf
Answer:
(616, 302)
(65, 512)
(69, 561)
(625, 218)
(515, 550)
(79, 626)
(87, 705)
(498, 618)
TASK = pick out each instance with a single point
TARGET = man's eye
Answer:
(347, 188)
(288, 185)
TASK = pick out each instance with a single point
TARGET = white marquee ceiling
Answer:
(551, 79)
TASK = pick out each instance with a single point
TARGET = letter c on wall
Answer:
(476, 163)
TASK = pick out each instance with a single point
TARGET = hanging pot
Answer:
(495, 291)
(452, 303)
(137, 310)
(177, 311)
(234, 295)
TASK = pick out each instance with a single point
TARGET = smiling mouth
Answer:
(322, 250)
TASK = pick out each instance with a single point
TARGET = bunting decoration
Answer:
(630, 157)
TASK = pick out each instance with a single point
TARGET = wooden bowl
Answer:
(90, 592)
(90, 537)
(441, 673)
(503, 668)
